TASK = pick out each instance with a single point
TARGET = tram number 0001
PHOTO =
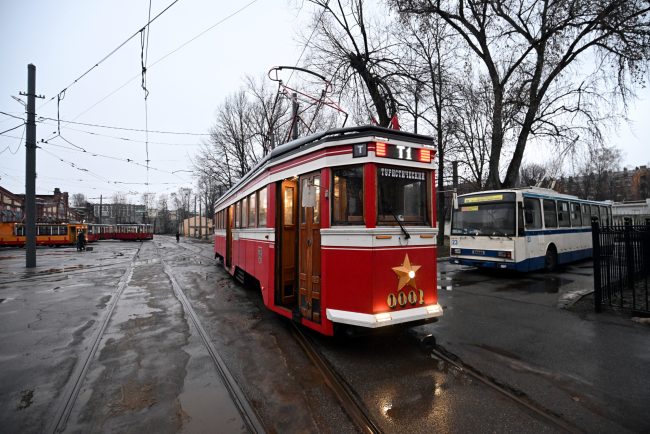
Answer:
(402, 298)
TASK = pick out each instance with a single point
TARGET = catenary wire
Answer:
(167, 55)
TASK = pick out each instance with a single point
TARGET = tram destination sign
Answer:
(400, 152)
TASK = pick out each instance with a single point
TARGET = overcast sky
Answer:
(67, 37)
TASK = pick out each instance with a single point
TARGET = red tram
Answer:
(133, 232)
(338, 229)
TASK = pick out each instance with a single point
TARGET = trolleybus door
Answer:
(229, 223)
(287, 221)
(309, 276)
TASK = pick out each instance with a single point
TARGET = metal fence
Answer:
(621, 266)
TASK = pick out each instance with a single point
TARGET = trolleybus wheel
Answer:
(550, 260)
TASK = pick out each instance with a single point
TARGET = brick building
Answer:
(50, 208)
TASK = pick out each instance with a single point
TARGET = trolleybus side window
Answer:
(563, 214)
(594, 212)
(550, 215)
(252, 211)
(402, 194)
(532, 213)
(586, 215)
(576, 219)
(603, 215)
(347, 189)
(262, 207)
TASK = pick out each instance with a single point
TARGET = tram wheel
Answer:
(550, 260)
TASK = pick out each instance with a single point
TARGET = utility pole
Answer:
(200, 220)
(194, 216)
(30, 168)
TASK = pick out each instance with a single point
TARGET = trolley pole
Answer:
(30, 169)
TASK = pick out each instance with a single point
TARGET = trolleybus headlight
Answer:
(506, 255)
(455, 251)
(381, 317)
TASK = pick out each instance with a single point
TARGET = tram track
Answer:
(343, 392)
(545, 414)
(71, 390)
(248, 414)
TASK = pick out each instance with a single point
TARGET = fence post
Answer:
(595, 253)
(629, 254)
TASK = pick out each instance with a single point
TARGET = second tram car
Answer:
(338, 229)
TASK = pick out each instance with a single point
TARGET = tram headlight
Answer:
(381, 317)
(411, 274)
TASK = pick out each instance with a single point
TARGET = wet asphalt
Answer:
(534, 335)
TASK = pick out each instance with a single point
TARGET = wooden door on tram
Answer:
(288, 223)
(309, 275)
(229, 224)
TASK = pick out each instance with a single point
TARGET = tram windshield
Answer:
(402, 196)
(476, 217)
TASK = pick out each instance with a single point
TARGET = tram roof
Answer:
(323, 136)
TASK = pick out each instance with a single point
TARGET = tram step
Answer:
(240, 275)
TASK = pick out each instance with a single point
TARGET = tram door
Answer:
(229, 236)
(287, 229)
(309, 275)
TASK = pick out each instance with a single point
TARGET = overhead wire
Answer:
(126, 139)
(167, 55)
(8, 147)
(112, 127)
(103, 59)
(11, 129)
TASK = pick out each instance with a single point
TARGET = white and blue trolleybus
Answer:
(523, 229)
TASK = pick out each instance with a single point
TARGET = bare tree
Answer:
(427, 47)
(535, 53)
(356, 59)
(531, 174)
(79, 200)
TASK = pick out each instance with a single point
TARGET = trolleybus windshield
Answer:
(487, 215)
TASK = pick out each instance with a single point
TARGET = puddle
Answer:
(547, 284)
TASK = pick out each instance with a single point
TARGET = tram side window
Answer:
(532, 213)
(44, 230)
(20, 231)
(576, 218)
(347, 189)
(244, 212)
(586, 215)
(252, 211)
(262, 207)
(237, 214)
(550, 215)
(563, 214)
